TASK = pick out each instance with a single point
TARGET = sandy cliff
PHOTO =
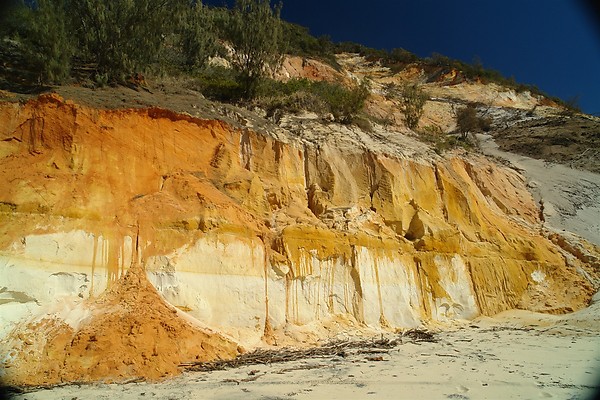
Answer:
(261, 236)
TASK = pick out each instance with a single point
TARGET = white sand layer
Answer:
(518, 355)
(571, 197)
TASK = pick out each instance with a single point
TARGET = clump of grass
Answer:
(441, 142)
(219, 83)
(321, 97)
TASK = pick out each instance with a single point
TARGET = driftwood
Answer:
(339, 348)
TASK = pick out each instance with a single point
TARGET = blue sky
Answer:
(553, 44)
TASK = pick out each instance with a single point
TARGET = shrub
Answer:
(412, 100)
(256, 33)
(114, 39)
(122, 37)
(320, 97)
(294, 103)
(402, 56)
(220, 83)
(300, 42)
(467, 121)
(441, 142)
(343, 103)
(198, 39)
(43, 38)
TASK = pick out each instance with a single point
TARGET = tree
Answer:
(402, 56)
(122, 37)
(467, 121)
(255, 30)
(42, 33)
(343, 103)
(198, 40)
(412, 103)
(14, 17)
(117, 38)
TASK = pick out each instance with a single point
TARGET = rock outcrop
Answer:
(256, 234)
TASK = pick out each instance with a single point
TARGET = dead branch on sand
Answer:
(340, 348)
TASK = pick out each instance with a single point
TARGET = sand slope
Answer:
(128, 332)
(571, 197)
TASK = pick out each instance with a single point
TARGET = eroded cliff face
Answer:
(260, 236)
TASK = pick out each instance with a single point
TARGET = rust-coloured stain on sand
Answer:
(131, 333)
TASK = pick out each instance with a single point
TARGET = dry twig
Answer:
(339, 348)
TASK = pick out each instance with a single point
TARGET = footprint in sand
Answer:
(462, 389)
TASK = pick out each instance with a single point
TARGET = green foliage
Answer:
(51, 44)
(396, 59)
(219, 83)
(402, 56)
(43, 36)
(343, 103)
(256, 33)
(47, 41)
(114, 39)
(467, 121)
(571, 105)
(300, 42)
(14, 18)
(122, 37)
(198, 39)
(440, 142)
(317, 96)
(476, 71)
(412, 102)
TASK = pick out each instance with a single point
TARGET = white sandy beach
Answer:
(515, 355)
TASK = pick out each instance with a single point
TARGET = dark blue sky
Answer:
(554, 44)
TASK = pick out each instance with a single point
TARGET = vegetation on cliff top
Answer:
(99, 43)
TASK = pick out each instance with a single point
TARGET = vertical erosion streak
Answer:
(423, 288)
(103, 256)
(373, 180)
(36, 131)
(278, 150)
(330, 287)
(122, 256)
(440, 187)
(306, 169)
(288, 284)
(318, 294)
(357, 293)
(138, 249)
(473, 286)
(267, 329)
(94, 255)
(295, 301)
(382, 319)
(113, 250)
(245, 149)
(266, 249)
